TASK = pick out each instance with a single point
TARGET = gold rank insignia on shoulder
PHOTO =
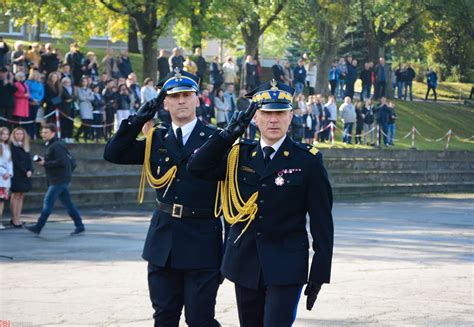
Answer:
(313, 151)
(254, 153)
(286, 153)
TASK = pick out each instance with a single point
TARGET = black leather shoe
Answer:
(78, 231)
(33, 229)
(16, 226)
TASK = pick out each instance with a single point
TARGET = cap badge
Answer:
(273, 83)
(177, 74)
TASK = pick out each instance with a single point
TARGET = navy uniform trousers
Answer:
(183, 248)
(269, 263)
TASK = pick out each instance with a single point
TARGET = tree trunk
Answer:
(149, 53)
(38, 31)
(251, 46)
(324, 63)
(132, 37)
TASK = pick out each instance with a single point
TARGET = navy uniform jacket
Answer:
(276, 243)
(192, 243)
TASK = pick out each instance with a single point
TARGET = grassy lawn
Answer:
(432, 120)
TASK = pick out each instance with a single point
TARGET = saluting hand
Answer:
(239, 122)
(311, 291)
(148, 109)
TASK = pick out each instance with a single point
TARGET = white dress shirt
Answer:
(186, 129)
(275, 146)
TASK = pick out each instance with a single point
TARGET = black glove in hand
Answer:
(239, 122)
(311, 291)
(148, 109)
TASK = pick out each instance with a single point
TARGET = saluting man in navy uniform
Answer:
(266, 190)
(184, 242)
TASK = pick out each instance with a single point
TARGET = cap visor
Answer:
(181, 89)
(276, 106)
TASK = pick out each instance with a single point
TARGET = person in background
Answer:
(382, 114)
(7, 99)
(111, 98)
(278, 72)
(21, 111)
(111, 65)
(175, 60)
(148, 90)
(409, 77)
(124, 64)
(22, 173)
(49, 61)
(309, 122)
(18, 58)
(163, 65)
(207, 107)
(92, 66)
(288, 71)
(342, 67)
(190, 66)
(391, 126)
(351, 78)
(333, 77)
(67, 108)
(432, 83)
(229, 94)
(301, 103)
(399, 81)
(365, 77)
(85, 97)
(34, 56)
(201, 65)
(98, 113)
(300, 77)
(348, 117)
(248, 78)
(36, 88)
(4, 50)
(359, 122)
(230, 70)
(222, 108)
(381, 78)
(6, 170)
(369, 119)
(332, 109)
(123, 105)
(134, 89)
(58, 168)
(297, 125)
(311, 73)
(75, 59)
(216, 77)
(52, 95)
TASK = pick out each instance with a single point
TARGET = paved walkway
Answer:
(396, 262)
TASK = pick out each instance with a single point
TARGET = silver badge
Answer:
(279, 181)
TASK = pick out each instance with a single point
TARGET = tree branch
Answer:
(389, 36)
(279, 8)
(113, 8)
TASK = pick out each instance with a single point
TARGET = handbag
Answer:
(56, 100)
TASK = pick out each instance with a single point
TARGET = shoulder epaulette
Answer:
(161, 125)
(211, 127)
(308, 147)
(245, 141)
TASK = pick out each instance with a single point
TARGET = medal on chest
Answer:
(279, 180)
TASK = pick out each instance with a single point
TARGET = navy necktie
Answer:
(179, 137)
(268, 150)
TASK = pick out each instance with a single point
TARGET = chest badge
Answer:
(167, 159)
(279, 181)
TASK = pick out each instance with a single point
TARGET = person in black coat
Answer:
(216, 75)
(58, 166)
(163, 65)
(201, 65)
(184, 242)
(7, 99)
(277, 70)
(22, 172)
(278, 182)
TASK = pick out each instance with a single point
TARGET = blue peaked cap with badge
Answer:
(272, 96)
(179, 81)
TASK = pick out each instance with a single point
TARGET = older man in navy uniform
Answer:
(184, 242)
(266, 190)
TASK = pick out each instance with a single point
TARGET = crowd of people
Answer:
(37, 82)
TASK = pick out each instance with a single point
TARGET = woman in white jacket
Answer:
(6, 169)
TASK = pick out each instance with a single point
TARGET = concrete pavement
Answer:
(396, 262)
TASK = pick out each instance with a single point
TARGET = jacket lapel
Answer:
(171, 143)
(255, 160)
(195, 140)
